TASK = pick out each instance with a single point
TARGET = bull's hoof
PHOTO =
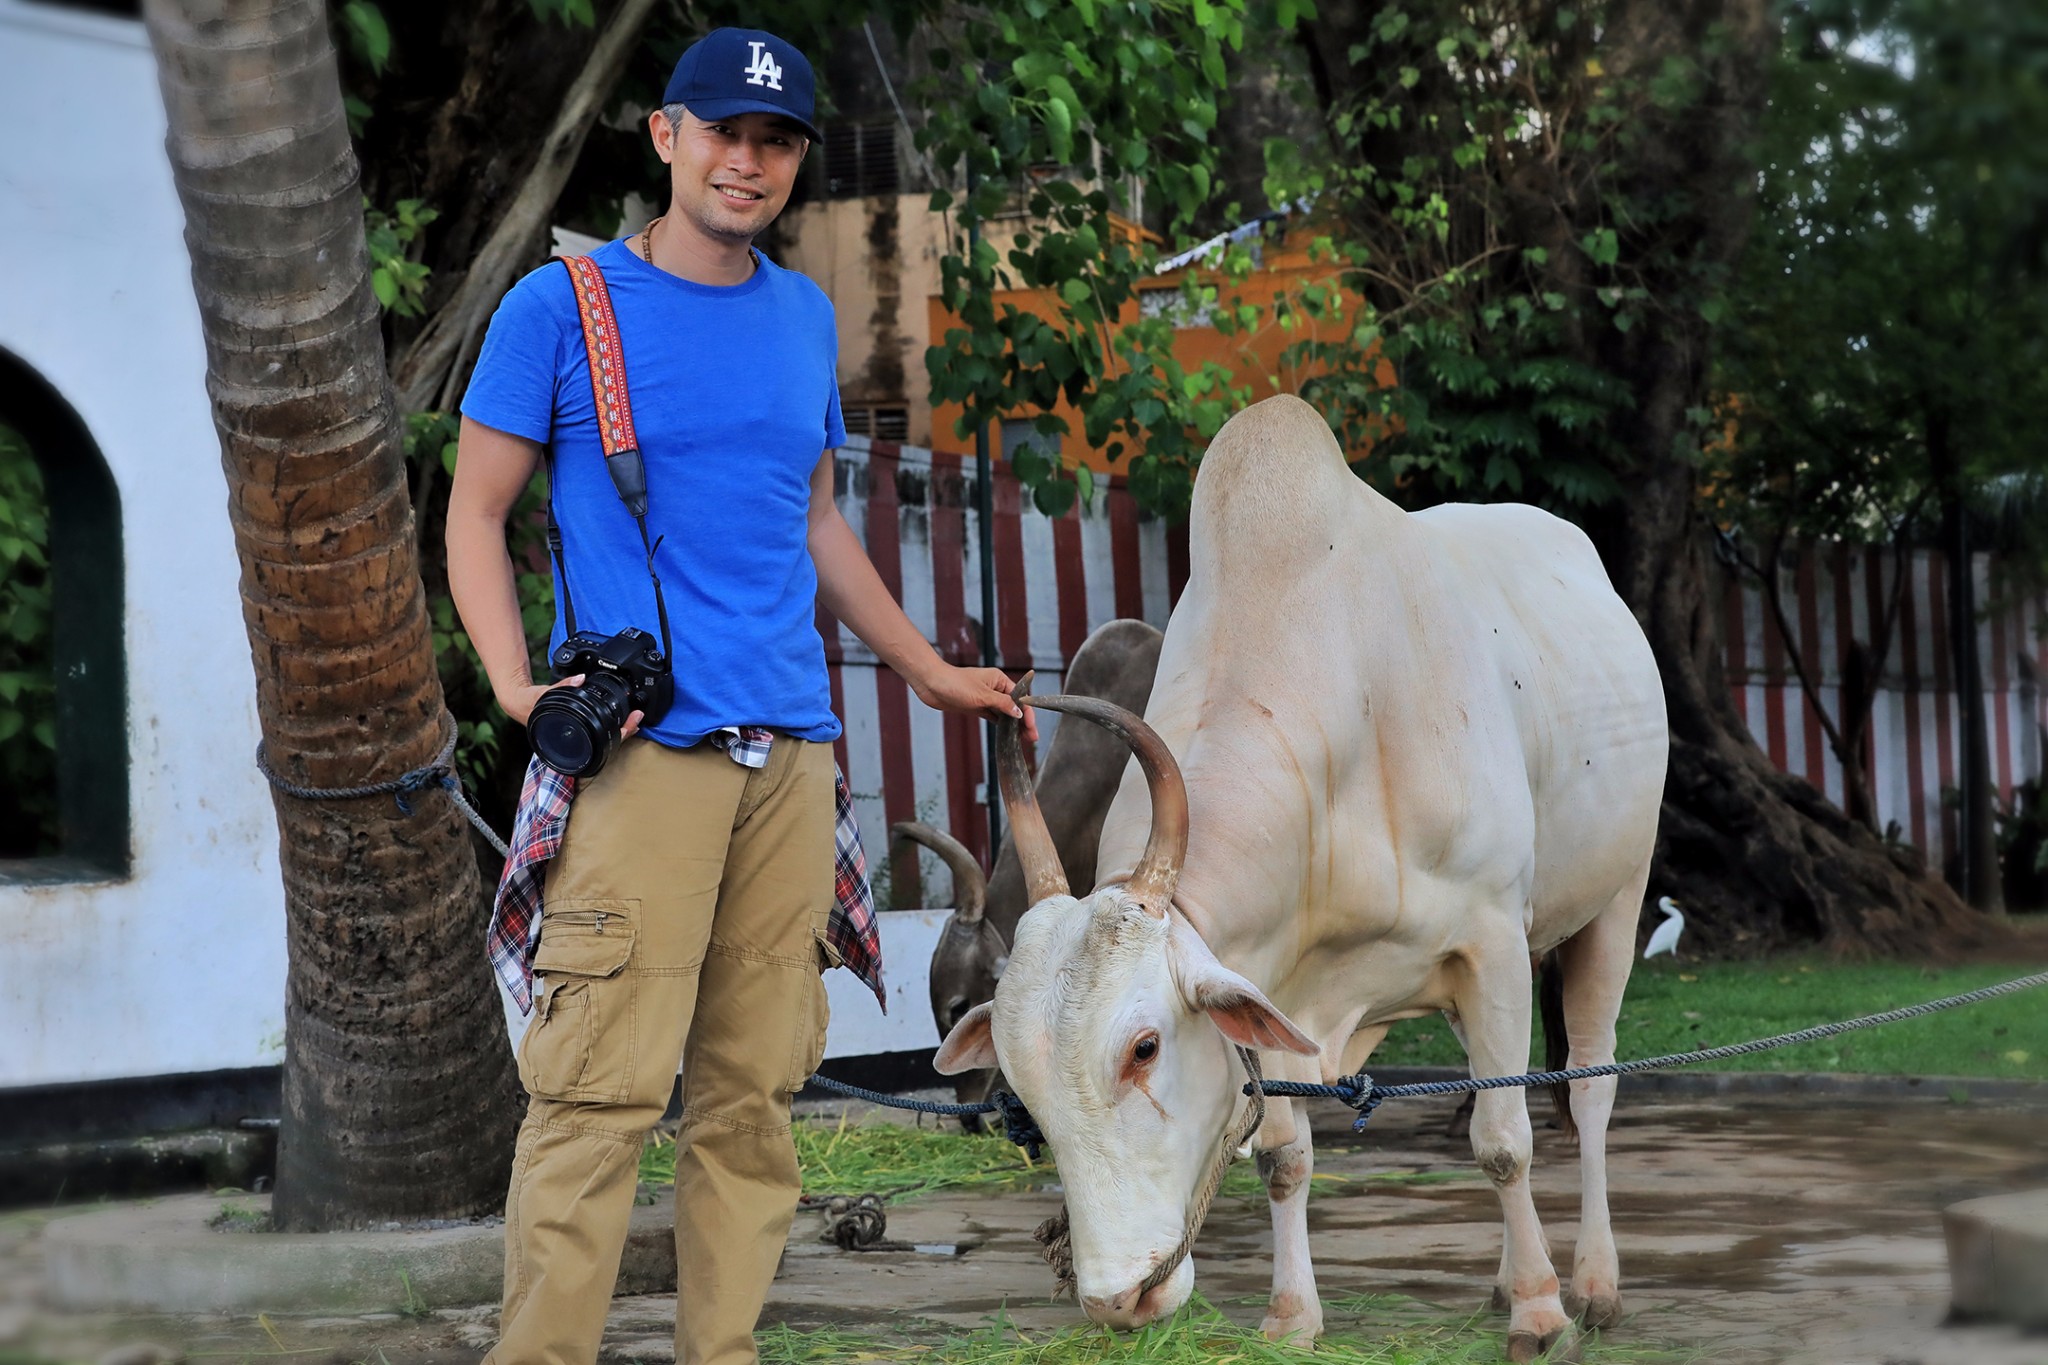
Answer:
(1302, 1327)
(1557, 1347)
(1497, 1302)
(1600, 1312)
(1286, 1317)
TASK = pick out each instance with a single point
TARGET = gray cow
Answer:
(1082, 767)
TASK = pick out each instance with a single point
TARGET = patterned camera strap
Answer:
(607, 357)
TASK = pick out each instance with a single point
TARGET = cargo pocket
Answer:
(580, 1044)
(810, 1038)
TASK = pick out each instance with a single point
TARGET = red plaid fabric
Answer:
(514, 935)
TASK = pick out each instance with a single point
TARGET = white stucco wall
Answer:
(180, 967)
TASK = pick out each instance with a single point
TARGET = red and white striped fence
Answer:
(1834, 594)
(1056, 579)
(1059, 578)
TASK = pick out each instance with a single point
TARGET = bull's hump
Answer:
(1274, 476)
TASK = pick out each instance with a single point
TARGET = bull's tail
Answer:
(1557, 1048)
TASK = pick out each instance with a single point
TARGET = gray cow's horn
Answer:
(970, 888)
(1167, 845)
(1043, 875)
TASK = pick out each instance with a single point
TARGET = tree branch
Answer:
(430, 372)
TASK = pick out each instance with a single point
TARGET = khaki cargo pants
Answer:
(685, 921)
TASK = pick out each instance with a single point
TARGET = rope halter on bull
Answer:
(1150, 887)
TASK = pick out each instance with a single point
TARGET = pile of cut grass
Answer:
(1199, 1335)
(885, 1158)
(901, 1162)
(1682, 1006)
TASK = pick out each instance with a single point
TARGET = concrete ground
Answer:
(1751, 1230)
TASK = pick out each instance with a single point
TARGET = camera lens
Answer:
(575, 729)
(563, 742)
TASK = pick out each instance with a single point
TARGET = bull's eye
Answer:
(1146, 1049)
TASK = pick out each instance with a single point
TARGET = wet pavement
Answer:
(1750, 1230)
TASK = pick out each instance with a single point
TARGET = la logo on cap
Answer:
(764, 70)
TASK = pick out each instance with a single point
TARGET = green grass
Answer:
(1201, 1335)
(1680, 1006)
(884, 1158)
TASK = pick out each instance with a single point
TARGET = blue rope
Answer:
(1018, 1124)
(1361, 1093)
(898, 1102)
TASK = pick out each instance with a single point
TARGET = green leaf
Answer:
(369, 36)
(1054, 499)
(1085, 477)
(1059, 129)
(387, 288)
(1029, 464)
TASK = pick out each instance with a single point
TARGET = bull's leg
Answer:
(1462, 1121)
(1295, 1309)
(1493, 1009)
(1596, 964)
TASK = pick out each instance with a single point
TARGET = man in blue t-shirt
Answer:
(685, 910)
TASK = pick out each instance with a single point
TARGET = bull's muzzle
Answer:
(1131, 1310)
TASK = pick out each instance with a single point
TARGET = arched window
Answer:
(63, 658)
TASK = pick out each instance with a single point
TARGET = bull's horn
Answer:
(970, 887)
(1043, 875)
(1167, 845)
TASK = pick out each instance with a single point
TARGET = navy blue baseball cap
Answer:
(733, 71)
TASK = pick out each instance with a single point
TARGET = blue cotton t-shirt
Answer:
(735, 399)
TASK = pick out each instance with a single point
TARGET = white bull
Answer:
(1417, 749)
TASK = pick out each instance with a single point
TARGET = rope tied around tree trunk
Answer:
(440, 773)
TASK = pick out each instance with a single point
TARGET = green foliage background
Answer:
(28, 733)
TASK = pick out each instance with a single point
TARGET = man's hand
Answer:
(520, 703)
(975, 692)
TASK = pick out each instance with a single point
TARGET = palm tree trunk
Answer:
(390, 1014)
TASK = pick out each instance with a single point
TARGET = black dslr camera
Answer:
(575, 729)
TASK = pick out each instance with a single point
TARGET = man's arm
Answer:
(492, 468)
(852, 591)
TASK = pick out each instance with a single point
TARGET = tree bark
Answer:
(1758, 856)
(434, 366)
(390, 1013)
(1976, 858)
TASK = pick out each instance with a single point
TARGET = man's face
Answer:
(730, 177)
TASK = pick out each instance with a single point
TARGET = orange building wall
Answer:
(1252, 357)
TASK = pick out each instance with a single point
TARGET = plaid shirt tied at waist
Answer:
(514, 935)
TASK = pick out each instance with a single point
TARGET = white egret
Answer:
(1665, 939)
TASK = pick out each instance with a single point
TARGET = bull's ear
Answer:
(971, 1046)
(1237, 1007)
